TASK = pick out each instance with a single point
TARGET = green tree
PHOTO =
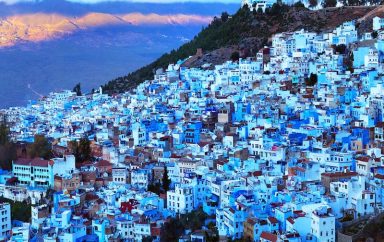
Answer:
(312, 80)
(224, 17)
(235, 56)
(299, 5)
(341, 49)
(175, 227)
(155, 188)
(166, 181)
(41, 147)
(355, 2)
(85, 148)
(348, 62)
(278, 8)
(8, 153)
(313, 3)
(214, 235)
(194, 220)
(171, 230)
(81, 150)
(77, 89)
(374, 34)
(147, 239)
(4, 133)
(19, 210)
(329, 3)
(7, 148)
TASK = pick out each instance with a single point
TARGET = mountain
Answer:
(41, 26)
(50, 45)
(248, 31)
(73, 8)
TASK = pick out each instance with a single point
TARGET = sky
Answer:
(143, 1)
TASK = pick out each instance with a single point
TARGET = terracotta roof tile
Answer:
(33, 162)
(273, 220)
(268, 236)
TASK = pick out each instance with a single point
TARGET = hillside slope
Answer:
(248, 30)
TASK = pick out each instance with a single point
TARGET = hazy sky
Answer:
(146, 1)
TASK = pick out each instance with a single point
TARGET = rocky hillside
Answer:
(249, 31)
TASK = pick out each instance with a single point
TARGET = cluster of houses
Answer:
(267, 154)
(265, 4)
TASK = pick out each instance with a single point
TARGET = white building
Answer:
(39, 215)
(378, 23)
(35, 172)
(181, 199)
(266, 150)
(139, 134)
(63, 166)
(323, 225)
(119, 175)
(21, 234)
(140, 178)
(5, 220)
(263, 4)
(125, 228)
(372, 59)
(141, 230)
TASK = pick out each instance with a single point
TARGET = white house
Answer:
(323, 225)
(5, 220)
(141, 230)
(139, 134)
(181, 200)
(140, 178)
(372, 59)
(378, 23)
(62, 166)
(119, 175)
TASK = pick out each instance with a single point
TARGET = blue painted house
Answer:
(192, 133)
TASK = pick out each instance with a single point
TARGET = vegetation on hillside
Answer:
(221, 32)
(193, 221)
(7, 148)
(77, 89)
(81, 150)
(40, 148)
(19, 210)
(163, 187)
(210, 38)
(166, 181)
(245, 30)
